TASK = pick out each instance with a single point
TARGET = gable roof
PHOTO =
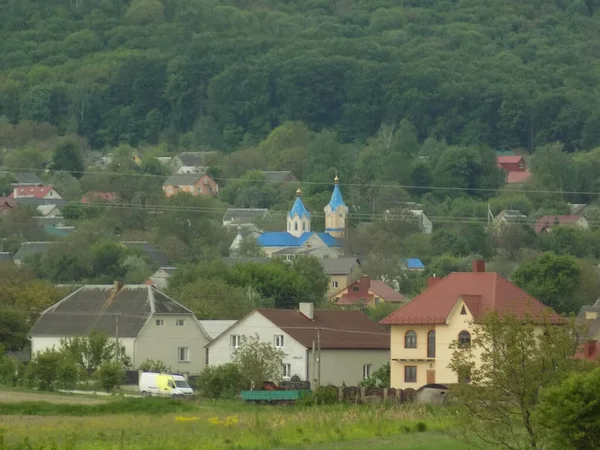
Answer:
(338, 329)
(194, 159)
(365, 284)
(39, 192)
(284, 239)
(299, 209)
(338, 266)
(47, 209)
(509, 159)
(7, 202)
(184, 179)
(482, 292)
(93, 307)
(27, 178)
(244, 215)
(29, 249)
(214, 328)
(414, 264)
(550, 221)
(514, 176)
(278, 176)
(155, 255)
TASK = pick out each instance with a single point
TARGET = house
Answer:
(50, 221)
(27, 179)
(148, 323)
(49, 211)
(352, 346)
(509, 216)
(589, 317)
(424, 222)
(279, 176)
(291, 253)
(193, 162)
(589, 350)
(449, 310)
(232, 261)
(299, 234)
(413, 265)
(156, 256)
(577, 209)
(192, 183)
(545, 224)
(515, 168)
(214, 328)
(6, 204)
(160, 278)
(243, 232)
(164, 160)
(341, 271)
(5, 258)
(40, 195)
(244, 216)
(58, 231)
(366, 291)
(29, 250)
(99, 197)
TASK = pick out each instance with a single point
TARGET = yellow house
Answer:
(447, 311)
(366, 291)
(341, 271)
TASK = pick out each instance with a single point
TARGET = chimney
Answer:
(308, 309)
(364, 284)
(431, 281)
(118, 285)
(478, 266)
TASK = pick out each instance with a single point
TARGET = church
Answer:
(300, 239)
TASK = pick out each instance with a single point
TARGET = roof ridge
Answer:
(151, 299)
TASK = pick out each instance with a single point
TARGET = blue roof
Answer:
(283, 239)
(336, 199)
(299, 209)
(414, 263)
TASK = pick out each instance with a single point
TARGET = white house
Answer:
(426, 224)
(352, 346)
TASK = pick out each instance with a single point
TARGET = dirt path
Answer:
(17, 397)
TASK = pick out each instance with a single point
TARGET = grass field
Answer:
(69, 423)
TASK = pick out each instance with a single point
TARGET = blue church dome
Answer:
(336, 197)
(298, 207)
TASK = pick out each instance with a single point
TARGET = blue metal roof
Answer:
(414, 263)
(336, 198)
(299, 209)
(283, 239)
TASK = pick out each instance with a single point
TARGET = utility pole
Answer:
(314, 365)
(118, 350)
(318, 358)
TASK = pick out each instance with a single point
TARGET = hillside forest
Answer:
(409, 102)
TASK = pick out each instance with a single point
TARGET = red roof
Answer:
(550, 221)
(589, 351)
(337, 329)
(509, 159)
(102, 196)
(515, 177)
(361, 294)
(31, 191)
(482, 292)
(7, 202)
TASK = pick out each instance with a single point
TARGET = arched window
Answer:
(431, 344)
(410, 339)
(464, 338)
(303, 226)
(296, 226)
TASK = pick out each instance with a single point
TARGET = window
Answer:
(410, 339)
(236, 340)
(377, 300)
(179, 322)
(160, 323)
(171, 384)
(410, 374)
(303, 226)
(296, 226)
(287, 370)
(356, 289)
(210, 189)
(366, 370)
(431, 344)
(334, 284)
(183, 354)
(279, 341)
(464, 338)
(199, 189)
(463, 311)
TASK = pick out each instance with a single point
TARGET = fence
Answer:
(357, 394)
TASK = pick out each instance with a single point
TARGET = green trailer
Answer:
(279, 396)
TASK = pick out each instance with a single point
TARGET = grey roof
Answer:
(50, 221)
(338, 266)
(41, 201)
(29, 249)
(278, 176)
(156, 256)
(232, 261)
(195, 159)
(93, 308)
(577, 208)
(513, 213)
(214, 328)
(27, 178)
(5, 257)
(183, 179)
(244, 215)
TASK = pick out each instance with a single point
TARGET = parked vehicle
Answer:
(164, 384)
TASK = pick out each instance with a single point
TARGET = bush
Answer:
(224, 381)
(11, 371)
(150, 365)
(42, 371)
(380, 378)
(324, 395)
(110, 375)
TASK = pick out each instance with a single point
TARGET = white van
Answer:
(164, 384)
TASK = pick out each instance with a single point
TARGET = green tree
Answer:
(68, 156)
(315, 280)
(151, 365)
(223, 381)
(110, 375)
(14, 327)
(259, 362)
(90, 352)
(516, 358)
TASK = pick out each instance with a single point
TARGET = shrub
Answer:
(67, 373)
(380, 378)
(42, 371)
(110, 375)
(220, 381)
(324, 395)
(259, 362)
(11, 371)
(150, 365)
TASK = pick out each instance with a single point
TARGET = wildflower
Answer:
(186, 419)
(231, 420)
(214, 420)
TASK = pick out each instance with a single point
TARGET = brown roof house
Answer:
(192, 183)
(366, 291)
(545, 224)
(352, 346)
(515, 168)
(151, 325)
(450, 310)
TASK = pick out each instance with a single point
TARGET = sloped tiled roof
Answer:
(338, 329)
(31, 191)
(195, 159)
(183, 179)
(515, 177)
(509, 159)
(244, 215)
(299, 209)
(216, 327)
(550, 221)
(284, 239)
(338, 266)
(155, 255)
(483, 292)
(278, 176)
(29, 178)
(29, 249)
(377, 287)
(93, 307)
